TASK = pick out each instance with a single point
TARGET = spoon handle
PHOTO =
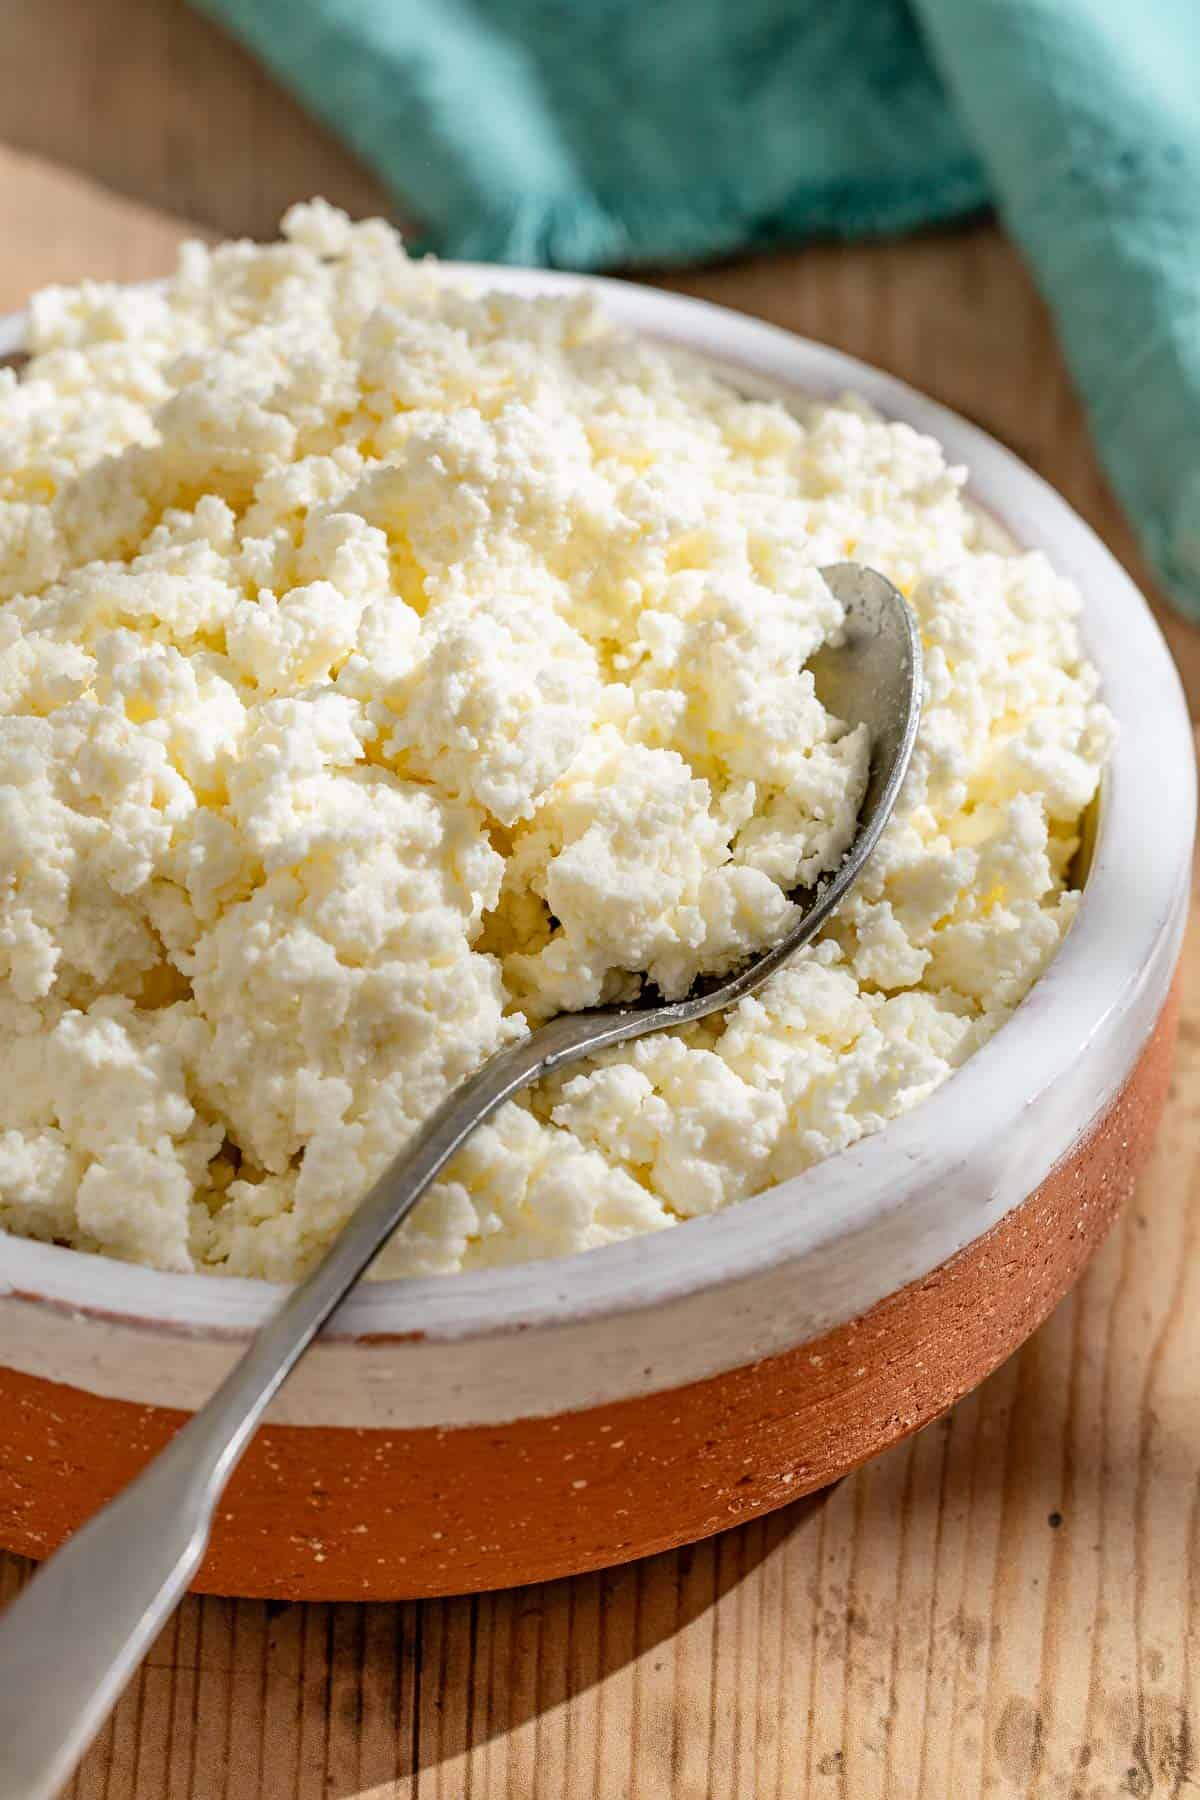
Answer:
(75, 1634)
(73, 1637)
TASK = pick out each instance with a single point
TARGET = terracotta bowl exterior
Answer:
(511, 1426)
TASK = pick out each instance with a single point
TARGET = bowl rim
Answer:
(1120, 928)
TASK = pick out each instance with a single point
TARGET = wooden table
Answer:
(1007, 1605)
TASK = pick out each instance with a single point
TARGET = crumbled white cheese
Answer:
(384, 667)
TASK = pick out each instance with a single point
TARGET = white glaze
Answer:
(649, 1314)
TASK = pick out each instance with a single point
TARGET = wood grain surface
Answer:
(1007, 1605)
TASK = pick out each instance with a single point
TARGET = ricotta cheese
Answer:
(385, 667)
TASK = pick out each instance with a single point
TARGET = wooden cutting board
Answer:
(1007, 1605)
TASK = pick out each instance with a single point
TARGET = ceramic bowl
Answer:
(521, 1423)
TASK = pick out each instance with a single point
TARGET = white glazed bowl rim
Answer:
(1131, 902)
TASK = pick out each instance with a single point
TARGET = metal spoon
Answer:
(73, 1637)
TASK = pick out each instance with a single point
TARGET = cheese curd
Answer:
(385, 667)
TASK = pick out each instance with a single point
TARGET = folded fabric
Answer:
(619, 132)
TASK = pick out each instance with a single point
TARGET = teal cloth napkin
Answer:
(588, 133)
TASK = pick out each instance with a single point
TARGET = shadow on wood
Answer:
(492, 1665)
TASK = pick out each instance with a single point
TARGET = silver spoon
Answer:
(72, 1638)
